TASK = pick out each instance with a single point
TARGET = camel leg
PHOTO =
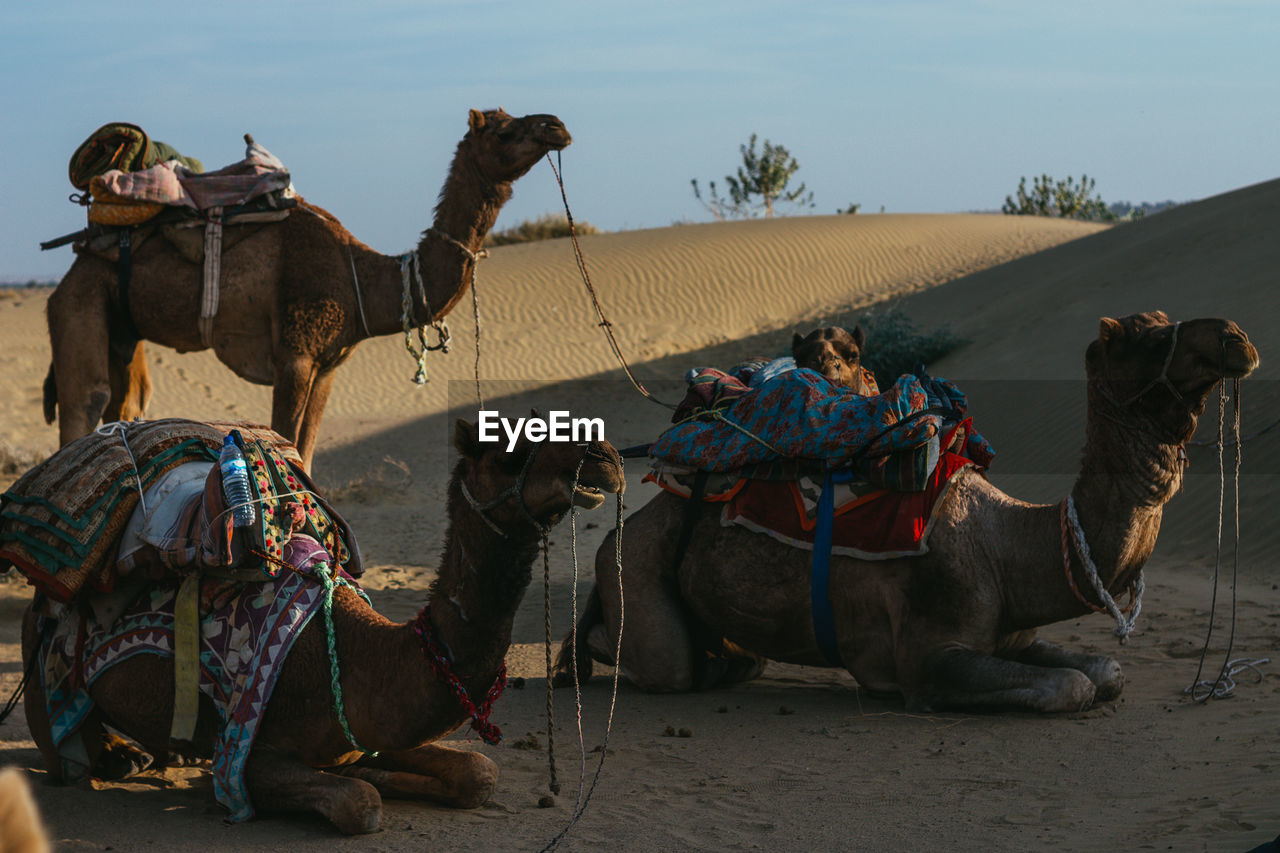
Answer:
(294, 375)
(280, 784)
(130, 386)
(77, 315)
(657, 643)
(309, 430)
(1103, 671)
(966, 678)
(455, 777)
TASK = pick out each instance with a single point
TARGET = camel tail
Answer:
(593, 615)
(50, 396)
(20, 828)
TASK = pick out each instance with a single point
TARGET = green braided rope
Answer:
(330, 586)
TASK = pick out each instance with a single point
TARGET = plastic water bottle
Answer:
(235, 483)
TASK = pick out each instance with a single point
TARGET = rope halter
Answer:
(513, 492)
(1162, 379)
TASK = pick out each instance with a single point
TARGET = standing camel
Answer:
(296, 296)
(956, 626)
(499, 506)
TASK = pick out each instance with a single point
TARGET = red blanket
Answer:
(876, 526)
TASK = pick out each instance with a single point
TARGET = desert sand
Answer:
(799, 759)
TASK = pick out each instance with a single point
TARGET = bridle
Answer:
(514, 491)
(1162, 379)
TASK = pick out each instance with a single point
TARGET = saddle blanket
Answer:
(246, 632)
(869, 524)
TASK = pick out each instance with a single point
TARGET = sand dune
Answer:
(1027, 294)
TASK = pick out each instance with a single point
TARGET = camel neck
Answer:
(1126, 477)
(469, 205)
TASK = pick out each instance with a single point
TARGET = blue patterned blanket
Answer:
(799, 414)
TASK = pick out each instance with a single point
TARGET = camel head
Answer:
(1160, 373)
(534, 482)
(834, 352)
(503, 148)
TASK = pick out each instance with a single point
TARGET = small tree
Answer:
(1065, 199)
(764, 175)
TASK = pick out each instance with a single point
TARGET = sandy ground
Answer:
(798, 759)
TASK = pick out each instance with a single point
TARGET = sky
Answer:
(934, 107)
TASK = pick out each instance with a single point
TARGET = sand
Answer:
(798, 759)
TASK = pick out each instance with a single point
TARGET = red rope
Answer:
(488, 732)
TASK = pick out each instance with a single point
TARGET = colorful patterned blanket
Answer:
(799, 414)
(61, 522)
(247, 631)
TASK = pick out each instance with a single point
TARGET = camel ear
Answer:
(796, 340)
(859, 336)
(466, 438)
(476, 121)
(1109, 328)
(534, 413)
(1161, 316)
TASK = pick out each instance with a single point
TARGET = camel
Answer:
(296, 296)
(499, 505)
(835, 353)
(955, 627)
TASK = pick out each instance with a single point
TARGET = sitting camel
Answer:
(956, 626)
(835, 353)
(296, 296)
(405, 685)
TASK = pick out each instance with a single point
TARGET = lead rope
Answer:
(595, 300)
(580, 806)
(1224, 685)
(554, 782)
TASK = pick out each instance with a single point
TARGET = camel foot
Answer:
(1103, 671)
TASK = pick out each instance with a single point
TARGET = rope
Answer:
(1201, 690)
(411, 267)
(479, 714)
(323, 572)
(355, 283)
(1124, 627)
(121, 428)
(580, 806)
(595, 300)
(553, 783)
(475, 295)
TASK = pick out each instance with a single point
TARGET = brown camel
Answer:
(836, 353)
(956, 626)
(292, 294)
(499, 505)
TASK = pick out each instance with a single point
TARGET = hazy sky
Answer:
(916, 106)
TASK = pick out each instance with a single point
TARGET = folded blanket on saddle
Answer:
(799, 414)
(246, 632)
(123, 146)
(61, 524)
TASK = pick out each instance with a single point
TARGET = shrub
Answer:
(895, 346)
(548, 226)
(764, 175)
(1065, 199)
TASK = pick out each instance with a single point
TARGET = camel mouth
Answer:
(588, 497)
(1240, 360)
(554, 136)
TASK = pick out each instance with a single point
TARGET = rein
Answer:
(479, 714)
(411, 268)
(603, 323)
